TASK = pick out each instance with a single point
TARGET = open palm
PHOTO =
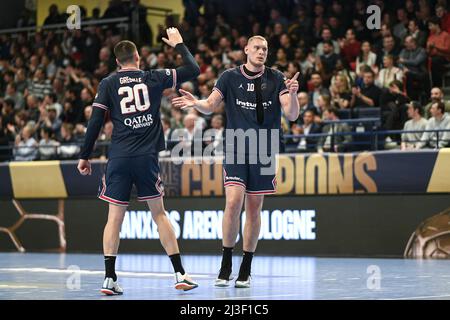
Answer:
(187, 100)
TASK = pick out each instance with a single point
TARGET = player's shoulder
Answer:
(231, 72)
(108, 79)
(275, 73)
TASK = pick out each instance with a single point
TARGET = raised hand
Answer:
(174, 37)
(292, 84)
(187, 100)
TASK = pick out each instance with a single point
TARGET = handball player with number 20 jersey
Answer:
(133, 98)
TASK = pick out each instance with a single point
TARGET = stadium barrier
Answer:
(357, 204)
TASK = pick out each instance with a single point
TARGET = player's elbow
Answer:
(195, 70)
(292, 115)
(292, 118)
(209, 107)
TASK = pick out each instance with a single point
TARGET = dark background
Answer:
(354, 225)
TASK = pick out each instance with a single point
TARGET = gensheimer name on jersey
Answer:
(238, 90)
(133, 98)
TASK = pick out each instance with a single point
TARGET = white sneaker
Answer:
(184, 282)
(222, 282)
(111, 288)
(243, 284)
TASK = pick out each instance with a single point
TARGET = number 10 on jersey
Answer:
(131, 101)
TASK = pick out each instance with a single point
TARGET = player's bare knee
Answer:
(252, 215)
(158, 216)
(233, 207)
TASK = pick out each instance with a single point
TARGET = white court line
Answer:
(92, 272)
(16, 286)
(419, 297)
(254, 297)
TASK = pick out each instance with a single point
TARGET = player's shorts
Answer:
(122, 173)
(250, 177)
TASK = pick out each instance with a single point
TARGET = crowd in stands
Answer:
(48, 79)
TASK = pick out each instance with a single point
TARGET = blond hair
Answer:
(256, 38)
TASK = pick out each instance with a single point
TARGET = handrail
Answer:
(63, 25)
(312, 135)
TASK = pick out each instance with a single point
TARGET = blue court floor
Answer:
(145, 276)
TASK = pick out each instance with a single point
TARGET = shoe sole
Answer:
(185, 286)
(110, 292)
(222, 283)
(242, 286)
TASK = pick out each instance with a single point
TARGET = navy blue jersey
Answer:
(238, 92)
(133, 98)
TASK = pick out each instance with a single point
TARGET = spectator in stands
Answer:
(418, 35)
(281, 63)
(16, 96)
(350, 47)
(53, 15)
(444, 15)
(8, 77)
(413, 61)
(323, 104)
(329, 58)
(438, 48)
(341, 94)
(366, 58)
(40, 85)
(439, 121)
(215, 136)
(8, 112)
(167, 130)
(327, 36)
(306, 144)
(7, 132)
(20, 120)
(332, 142)
(305, 105)
(344, 71)
(187, 134)
(390, 47)
(26, 145)
(317, 88)
(368, 95)
(87, 98)
(385, 31)
(74, 62)
(48, 147)
(388, 73)
(410, 140)
(32, 108)
(424, 14)
(437, 95)
(21, 80)
(410, 8)
(51, 119)
(105, 138)
(68, 148)
(51, 101)
(400, 29)
(393, 108)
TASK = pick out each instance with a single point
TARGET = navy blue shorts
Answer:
(122, 173)
(250, 177)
